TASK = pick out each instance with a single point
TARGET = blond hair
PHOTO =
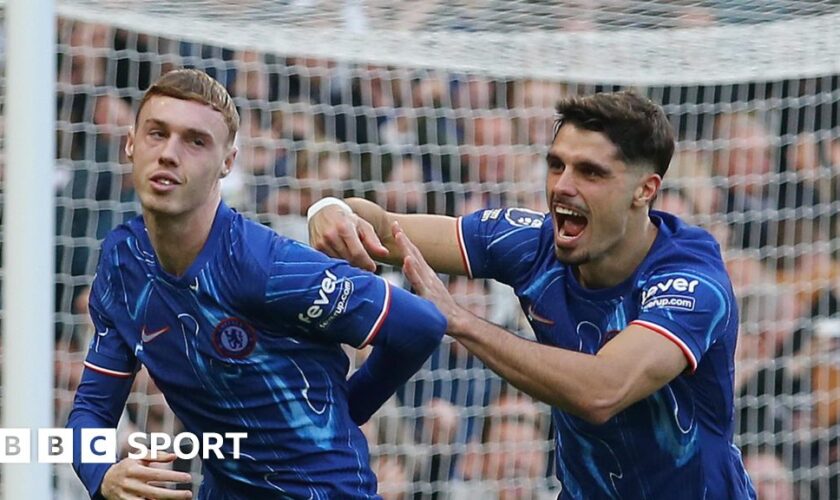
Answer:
(198, 86)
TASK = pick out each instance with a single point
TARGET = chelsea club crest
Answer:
(233, 338)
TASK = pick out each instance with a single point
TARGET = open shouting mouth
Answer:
(569, 223)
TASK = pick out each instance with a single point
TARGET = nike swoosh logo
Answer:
(536, 317)
(148, 337)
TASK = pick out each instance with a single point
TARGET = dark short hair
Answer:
(635, 124)
(198, 86)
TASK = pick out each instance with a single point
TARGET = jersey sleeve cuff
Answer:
(106, 371)
(459, 224)
(377, 325)
(687, 352)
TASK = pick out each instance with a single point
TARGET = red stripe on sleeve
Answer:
(105, 371)
(692, 362)
(386, 307)
(462, 246)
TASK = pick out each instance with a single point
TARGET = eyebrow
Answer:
(596, 167)
(551, 156)
(189, 131)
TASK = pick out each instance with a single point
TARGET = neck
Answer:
(619, 264)
(177, 240)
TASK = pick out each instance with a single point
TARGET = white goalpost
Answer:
(28, 241)
(439, 107)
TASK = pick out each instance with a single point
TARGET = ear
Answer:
(229, 162)
(129, 144)
(646, 189)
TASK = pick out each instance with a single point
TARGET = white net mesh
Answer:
(607, 41)
(446, 107)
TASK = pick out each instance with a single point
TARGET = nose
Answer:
(169, 154)
(562, 184)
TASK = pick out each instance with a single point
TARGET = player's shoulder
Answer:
(513, 228)
(123, 232)
(122, 237)
(244, 232)
(510, 217)
(684, 256)
(507, 244)
(684, 244)
(120, 249)
(252, 240)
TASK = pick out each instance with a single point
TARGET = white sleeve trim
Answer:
(106, 371)
(462, 245)
(377, 325)
(692, 361)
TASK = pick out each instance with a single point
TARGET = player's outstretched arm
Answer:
(629, 368)
(411, 333)
(138, 478)
(365, 235)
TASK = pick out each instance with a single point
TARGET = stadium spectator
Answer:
(774, 392)
(674, 201)
(251, 84)
(88, 43)
(239, 328)
(310, 79)
(691, 171)
(509, 462)
(443, 404)
(317, 174)
(403, 189)
(437, 137)
(394, 480)
(533, 101)
(628, 302)
(260, 162)
(744, 163)
(491, 159)
(394, 455)
(772, 480)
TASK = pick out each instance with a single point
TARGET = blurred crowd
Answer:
(757, 164)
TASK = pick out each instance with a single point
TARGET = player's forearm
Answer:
(98, 404)
(381, 221)
(434, 235)
(385, 371)
(575, 382)
(412, 331)
(91, 474)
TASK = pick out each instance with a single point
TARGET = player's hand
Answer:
(345, 236)
(426, 283)
(133, 479)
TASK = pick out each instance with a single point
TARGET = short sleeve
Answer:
(327, 298)
(692, 309)
(108, 353)
(500, 243)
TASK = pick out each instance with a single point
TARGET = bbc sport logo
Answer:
(56, 445)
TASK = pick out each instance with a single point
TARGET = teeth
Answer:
(165, 182)
(566, 211)
(562, 234)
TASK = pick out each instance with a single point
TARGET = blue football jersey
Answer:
(247, 340)
(676, 443)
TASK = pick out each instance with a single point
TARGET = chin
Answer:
(574, 258)
(158, 207)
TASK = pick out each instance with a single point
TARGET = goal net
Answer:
(447, 107)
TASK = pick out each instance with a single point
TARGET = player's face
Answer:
(589, 192)
(180, 150)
